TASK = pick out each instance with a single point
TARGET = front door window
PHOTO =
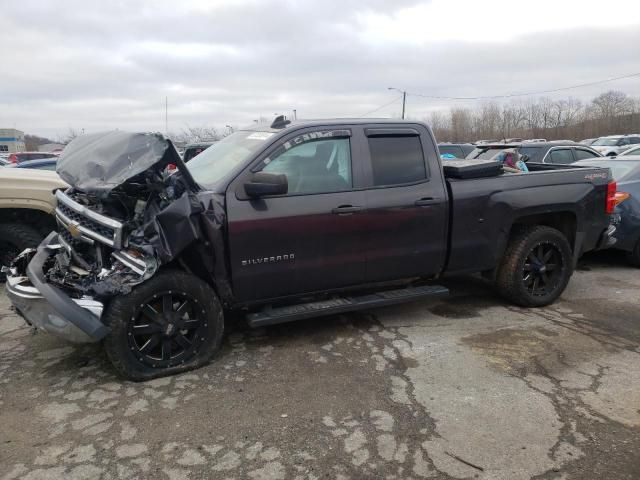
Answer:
(319, 166)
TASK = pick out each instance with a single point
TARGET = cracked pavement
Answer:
(461, 387)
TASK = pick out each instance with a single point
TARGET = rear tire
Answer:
(536, 267)
(169, 324)
(14, 238)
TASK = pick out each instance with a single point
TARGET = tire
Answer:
(633, 257)
(144, 343)
(529, 281)
(14, 238)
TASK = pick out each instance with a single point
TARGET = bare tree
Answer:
(70, 135)
(612, 104)
(191, 134)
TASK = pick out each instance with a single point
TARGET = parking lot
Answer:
(462, 387)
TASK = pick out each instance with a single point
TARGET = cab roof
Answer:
(325, 122)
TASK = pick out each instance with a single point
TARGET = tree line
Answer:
(609, 113)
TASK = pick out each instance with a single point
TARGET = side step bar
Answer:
(271, 316)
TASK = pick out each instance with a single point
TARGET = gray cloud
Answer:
(110, 65)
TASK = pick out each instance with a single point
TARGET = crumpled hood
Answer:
(97, 163)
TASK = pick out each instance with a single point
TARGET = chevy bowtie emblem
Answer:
(73, 229)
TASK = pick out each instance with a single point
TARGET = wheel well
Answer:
(41, 221)
(565, 222)
(198, 260)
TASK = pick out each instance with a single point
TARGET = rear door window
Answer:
(584, 154)
(396, 160)
(561, 156)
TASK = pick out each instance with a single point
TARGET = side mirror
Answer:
(263, 183)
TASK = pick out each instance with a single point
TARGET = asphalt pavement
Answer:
(461, 387)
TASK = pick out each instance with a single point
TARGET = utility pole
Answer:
(404, 98)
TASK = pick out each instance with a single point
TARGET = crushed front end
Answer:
(123, 218)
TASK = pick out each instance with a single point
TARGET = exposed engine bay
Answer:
(125, 216)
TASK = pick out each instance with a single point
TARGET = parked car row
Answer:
(609, 146)
(48, 161)
(559, 152)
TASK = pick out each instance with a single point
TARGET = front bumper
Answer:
(49, 308)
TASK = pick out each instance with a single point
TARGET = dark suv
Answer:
(195, 149)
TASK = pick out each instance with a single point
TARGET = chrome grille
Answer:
(84, 224)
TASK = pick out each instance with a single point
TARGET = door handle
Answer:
(346, 209)
(422, 202)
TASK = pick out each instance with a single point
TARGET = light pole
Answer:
(404, 98)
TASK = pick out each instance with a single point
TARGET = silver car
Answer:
(614, 144)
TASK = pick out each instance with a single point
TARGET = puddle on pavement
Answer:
(511, 350)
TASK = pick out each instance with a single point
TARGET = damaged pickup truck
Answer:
(287, 222)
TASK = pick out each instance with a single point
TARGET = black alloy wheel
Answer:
(167, 329)
(536, 266)
(171, 323)
(543, 269)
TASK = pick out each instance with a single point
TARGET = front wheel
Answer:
(171, 323)
(536, 267)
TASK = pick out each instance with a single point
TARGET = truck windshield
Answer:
(221, 158)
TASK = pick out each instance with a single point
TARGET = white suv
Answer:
(614, 144)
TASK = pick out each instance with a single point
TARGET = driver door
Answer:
(309, 239)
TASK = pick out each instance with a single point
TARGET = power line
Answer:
(524, 94)
(379, 108)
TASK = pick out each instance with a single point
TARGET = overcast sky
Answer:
(110, 64)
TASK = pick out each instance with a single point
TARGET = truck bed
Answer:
(483, 210)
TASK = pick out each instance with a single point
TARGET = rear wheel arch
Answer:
(563, 221)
